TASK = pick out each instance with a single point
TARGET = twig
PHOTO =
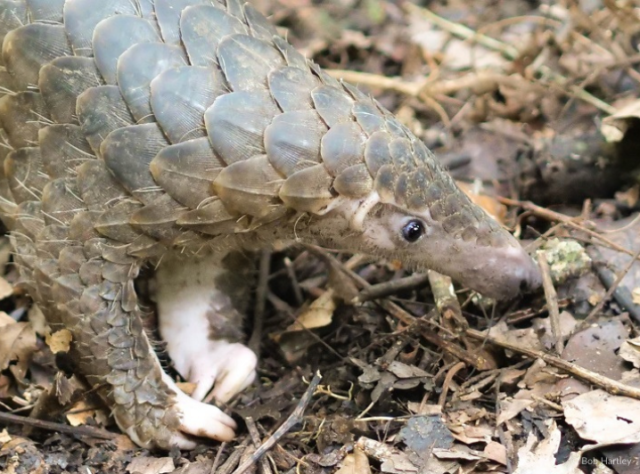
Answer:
(446, 301)
(377, 81)
(234, 458)
(623, 298)
(476, 360)
(295, 285)
(552, 302)
(509, 52)
(255, 437)
(294, 419)
(597, 308)
(477, 82)
(447, 382)
(612, 386)
(557, 217)
(58, 427)
(392, 287)
(261, 298)
(549, 403)
(216, 461)
(463, 32)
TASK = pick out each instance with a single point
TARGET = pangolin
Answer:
(175, 133)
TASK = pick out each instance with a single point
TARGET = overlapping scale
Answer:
(137, 67)
(202, 27)
(250, 187)
(82, 16)
(247, 61)
(114, 35)
(292, 141)
(236, 123)
(61, 82)
(187, 170)
(25, 50)
(180, 97)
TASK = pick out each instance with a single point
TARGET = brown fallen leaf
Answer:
(295, 340)
(187, 387)
(6, 289)
(355, 463)
(392, 460)
(510, 408)
(149, 465)
(81, 414)
(496, 452)
(22, 455)
(318, 314)
(604, 418)
(490, 204)
(60, 341)
(630, 351)
(5, 437)
(537, 457)
(17, 345)
(615, 126)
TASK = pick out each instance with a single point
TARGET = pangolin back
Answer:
(204, 122)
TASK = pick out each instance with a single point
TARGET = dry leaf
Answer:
(5, 437)
(17, 450)
(536, 458)
(604, 418)
(6, 289)
(629, 197)
(81, 414)
(491, 205)
(356, 463)
(496, 452)
(5, 319)
(615, 126)
(392, 460)
(630, 351)
(148, 465)
(319, 313)
(187, 387)
(511, 408)
(17, 345)
(60, 341)
(37, 319)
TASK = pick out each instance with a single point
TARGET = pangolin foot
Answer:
(227, 367)
(191, 418)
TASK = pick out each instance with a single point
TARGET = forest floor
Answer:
(533, 106)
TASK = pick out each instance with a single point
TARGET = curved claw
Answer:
(226, 367)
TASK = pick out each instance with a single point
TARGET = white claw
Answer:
(231, 366)
(199, 419)
(235, 371)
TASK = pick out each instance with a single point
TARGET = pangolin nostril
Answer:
(524, 285)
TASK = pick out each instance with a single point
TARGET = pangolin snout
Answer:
(503, 273)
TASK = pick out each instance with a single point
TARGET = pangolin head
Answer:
(417, 214)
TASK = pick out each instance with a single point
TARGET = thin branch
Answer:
(58, 427)
(295, 418)
(552, 302)
(612, 386)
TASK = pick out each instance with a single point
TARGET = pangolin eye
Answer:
(413, 230)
